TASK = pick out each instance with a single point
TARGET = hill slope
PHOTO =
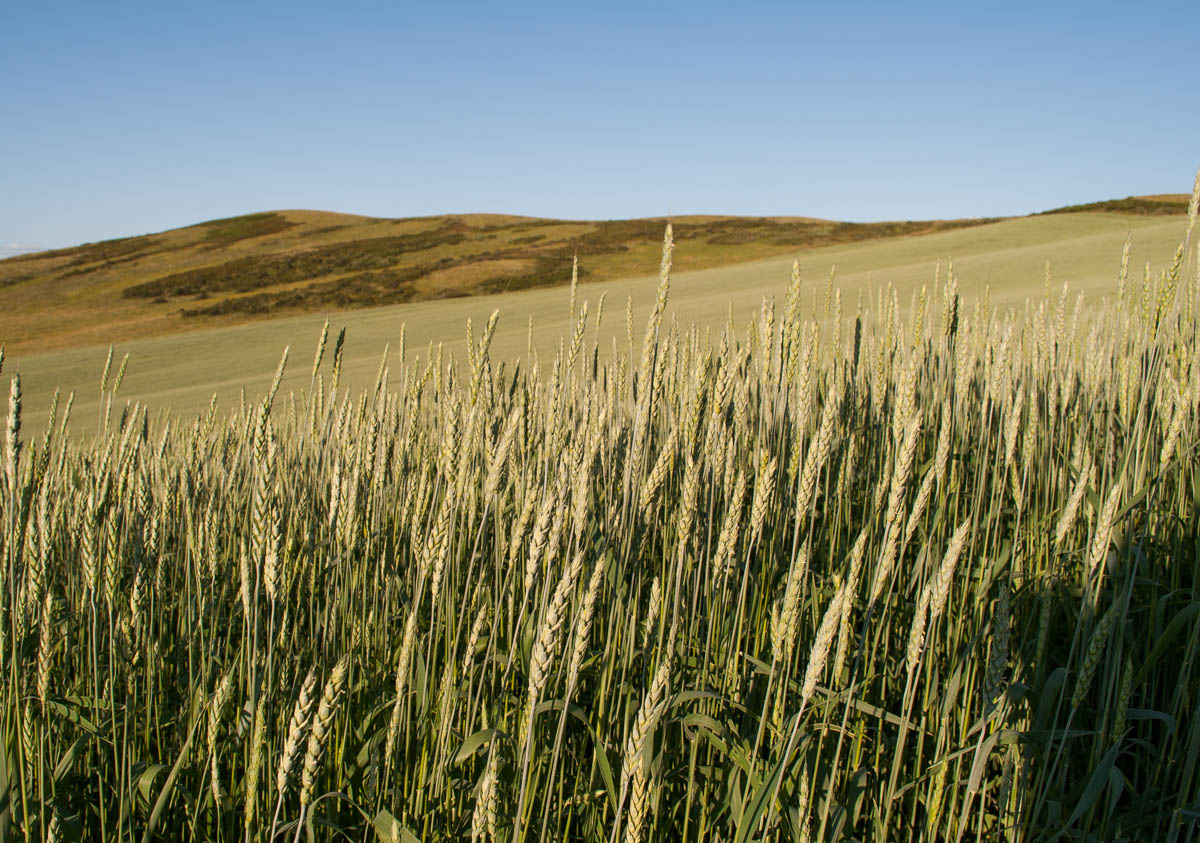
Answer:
(265, 265)
(184, 371)
(285, 262)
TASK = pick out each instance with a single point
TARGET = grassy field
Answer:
(813, 573)
(183, 371)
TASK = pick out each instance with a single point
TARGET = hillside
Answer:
(183, 371)
(1154, 205)
(265, 265)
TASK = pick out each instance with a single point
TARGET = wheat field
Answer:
(869, 570)
(181, 372)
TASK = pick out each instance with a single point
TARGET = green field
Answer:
(182, 372)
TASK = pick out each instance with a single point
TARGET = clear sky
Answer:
(120, 118)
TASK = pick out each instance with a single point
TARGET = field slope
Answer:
(262, 266)
(180, 362)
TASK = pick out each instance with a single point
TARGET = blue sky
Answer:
(125, 117)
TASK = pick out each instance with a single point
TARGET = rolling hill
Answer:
(195, 325)
(264, 265)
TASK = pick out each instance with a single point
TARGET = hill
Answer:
(278, 263)
(1008, 258)
(265, 265)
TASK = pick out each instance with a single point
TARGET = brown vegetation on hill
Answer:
(1159, 205)
(265, 264)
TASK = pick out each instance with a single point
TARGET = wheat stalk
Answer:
(297, 729)
(634, 774)
(318, 735)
